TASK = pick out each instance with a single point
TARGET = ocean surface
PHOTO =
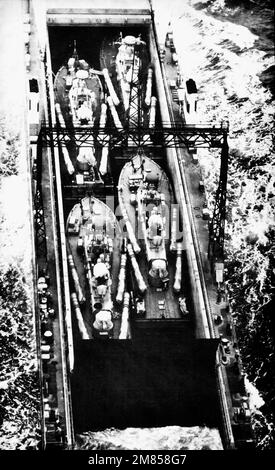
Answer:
(228, 49)
(163, 438)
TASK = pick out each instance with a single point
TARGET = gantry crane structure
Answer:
(169, 136)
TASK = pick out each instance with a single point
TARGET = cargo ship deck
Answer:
(153, 379)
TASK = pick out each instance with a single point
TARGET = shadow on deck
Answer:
(146, 382)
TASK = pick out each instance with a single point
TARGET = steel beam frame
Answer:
(39, 222)
(217, 223)
(175, 136)
(39, 225)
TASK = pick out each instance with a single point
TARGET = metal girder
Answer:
(217, 224)
(39, 225)
(166, 136)
(133, 114)
(39, 222)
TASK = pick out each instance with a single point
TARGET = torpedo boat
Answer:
(146, 202)
(95, 252)
(125, 61)
(78, 102)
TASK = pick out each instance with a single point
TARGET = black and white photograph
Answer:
(137, 230)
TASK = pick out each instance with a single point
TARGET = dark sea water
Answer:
(228, 48)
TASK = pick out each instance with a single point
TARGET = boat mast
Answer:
(75, 54)
(133, 115)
